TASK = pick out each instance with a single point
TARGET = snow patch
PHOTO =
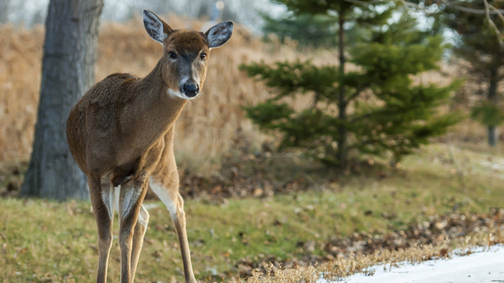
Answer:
(483, 265)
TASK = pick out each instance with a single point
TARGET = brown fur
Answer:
(121, 133)
(117, 125)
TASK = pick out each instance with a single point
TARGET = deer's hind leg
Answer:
(102, 199)
(138, 234)
(131, 214)
(138, 238)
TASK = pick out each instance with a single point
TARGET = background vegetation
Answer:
(248, 204)
(376, 110)
(207, 132)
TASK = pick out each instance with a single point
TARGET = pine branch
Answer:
(365, 116)
(356, 93)
(472, 10)
(364, 2)
(408, 5)
(487, 10)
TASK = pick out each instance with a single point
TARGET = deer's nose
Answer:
(191, 88)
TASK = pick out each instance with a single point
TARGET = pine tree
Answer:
(307, 30)
(479, 46)
(399, 117)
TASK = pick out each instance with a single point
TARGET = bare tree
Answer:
(67, 73)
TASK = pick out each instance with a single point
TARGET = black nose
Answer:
(191, 89)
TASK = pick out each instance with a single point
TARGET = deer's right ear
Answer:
(155, 27)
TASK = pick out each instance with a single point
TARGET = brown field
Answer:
(210, 127)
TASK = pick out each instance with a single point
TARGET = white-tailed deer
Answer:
(121, 135)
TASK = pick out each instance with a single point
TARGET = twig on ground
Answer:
(452, 159)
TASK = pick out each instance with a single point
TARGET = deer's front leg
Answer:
(179, 221)
(130, 203)
(167, 191)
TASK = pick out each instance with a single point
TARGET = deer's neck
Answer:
(159, 109)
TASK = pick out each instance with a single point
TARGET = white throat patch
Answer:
(173, 93)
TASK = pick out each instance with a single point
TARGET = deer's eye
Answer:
(172, 55)
(202, 56)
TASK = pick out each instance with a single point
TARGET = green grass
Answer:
(42, 240)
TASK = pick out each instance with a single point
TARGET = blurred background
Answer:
(333, 128)
(32, 12)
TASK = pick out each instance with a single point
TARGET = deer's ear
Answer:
(155, 27)
(219, 34)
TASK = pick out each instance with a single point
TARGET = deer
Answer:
(121, 134)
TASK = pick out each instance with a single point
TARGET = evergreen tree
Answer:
(479, 45)
(399, 117)
(310, 30)
(315, 31)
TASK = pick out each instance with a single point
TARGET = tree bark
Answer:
(4, 11)
(67, 73)
(492, 135)
(341, 154)
(492, 97)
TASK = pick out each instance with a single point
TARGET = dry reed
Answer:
(210, 127)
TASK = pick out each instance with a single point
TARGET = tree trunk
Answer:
(342, 103)
(492, 135)
(492, 97)
(4, 11)
(67, 73)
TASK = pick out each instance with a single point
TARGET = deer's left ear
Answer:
(219, 34)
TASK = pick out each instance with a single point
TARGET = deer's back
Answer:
(97, 110)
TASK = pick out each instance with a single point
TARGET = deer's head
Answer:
(185, 53)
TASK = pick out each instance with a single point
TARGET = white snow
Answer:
(484, 265)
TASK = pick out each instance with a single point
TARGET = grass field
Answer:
(46, 241)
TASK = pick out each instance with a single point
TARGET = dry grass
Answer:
(280, 275)
(20, 66)
(341, 267)
(209, 126)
